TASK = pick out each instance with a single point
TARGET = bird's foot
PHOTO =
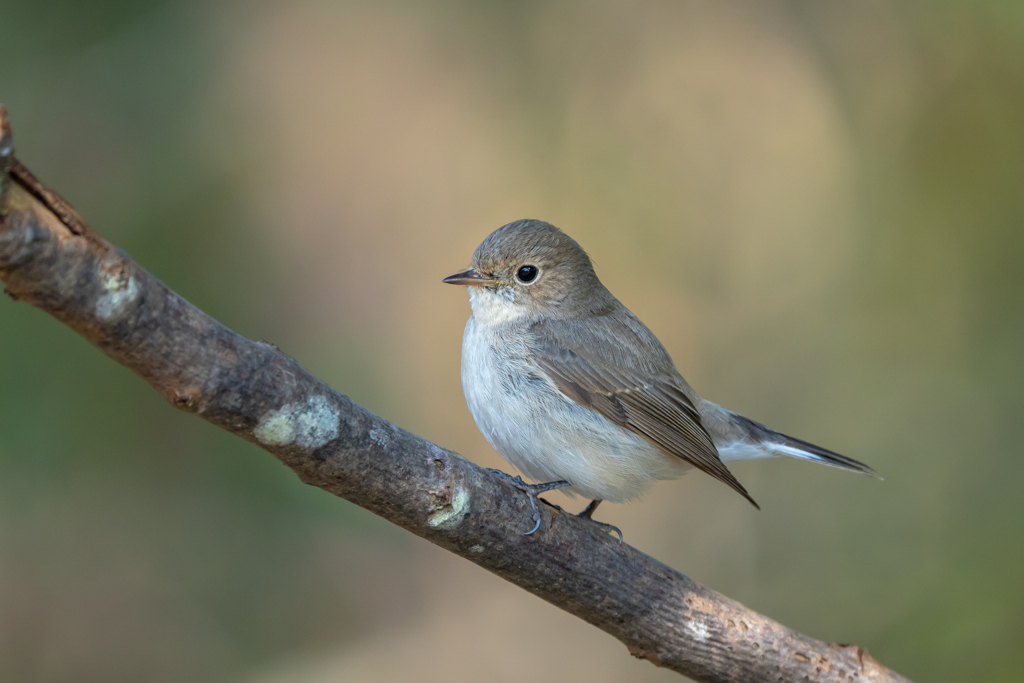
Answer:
(532, 491)
(607, 527)
(588, 513)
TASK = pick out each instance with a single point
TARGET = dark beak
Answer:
(470, 278)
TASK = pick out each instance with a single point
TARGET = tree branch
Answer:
(50, 258)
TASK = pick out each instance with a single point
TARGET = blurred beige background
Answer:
(817, 207)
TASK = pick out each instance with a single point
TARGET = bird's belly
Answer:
(548, 436)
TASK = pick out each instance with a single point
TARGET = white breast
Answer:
(544, 434)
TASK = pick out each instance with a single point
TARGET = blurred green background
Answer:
(817, 206)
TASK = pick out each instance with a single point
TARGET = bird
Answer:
(575, 392)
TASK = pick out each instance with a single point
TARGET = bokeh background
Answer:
(817, 206)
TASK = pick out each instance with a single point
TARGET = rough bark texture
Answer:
(51, 259)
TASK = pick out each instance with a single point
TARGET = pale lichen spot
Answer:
(476, 548)
(450, 515)
(697, 629)
(380, 437)
(276, 428)
(311, 424)
(121, 292)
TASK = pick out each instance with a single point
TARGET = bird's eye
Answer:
(527, 274)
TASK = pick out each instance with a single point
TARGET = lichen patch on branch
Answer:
(121, 292)
(698, 629)
(311, 424)
(453, 512)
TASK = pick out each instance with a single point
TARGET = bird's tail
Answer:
(781, 444)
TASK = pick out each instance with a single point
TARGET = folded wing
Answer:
(615, 366)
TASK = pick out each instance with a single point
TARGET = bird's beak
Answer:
(470, 278)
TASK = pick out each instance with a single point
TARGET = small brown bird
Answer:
(573, 390)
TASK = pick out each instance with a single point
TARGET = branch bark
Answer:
(51, 259)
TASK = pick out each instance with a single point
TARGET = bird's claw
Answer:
(588, 514)
(608, 527)
(532, 491)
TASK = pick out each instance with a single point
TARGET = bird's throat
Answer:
(495, 305)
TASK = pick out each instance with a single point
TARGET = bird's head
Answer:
(530, 269)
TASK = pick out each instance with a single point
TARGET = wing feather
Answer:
(645, 401)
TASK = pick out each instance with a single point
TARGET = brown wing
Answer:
(643, 400)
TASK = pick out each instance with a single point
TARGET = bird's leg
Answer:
(531, 490)
(588, 513)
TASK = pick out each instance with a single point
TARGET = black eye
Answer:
(527, 274)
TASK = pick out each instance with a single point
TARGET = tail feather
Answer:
(798, 448)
